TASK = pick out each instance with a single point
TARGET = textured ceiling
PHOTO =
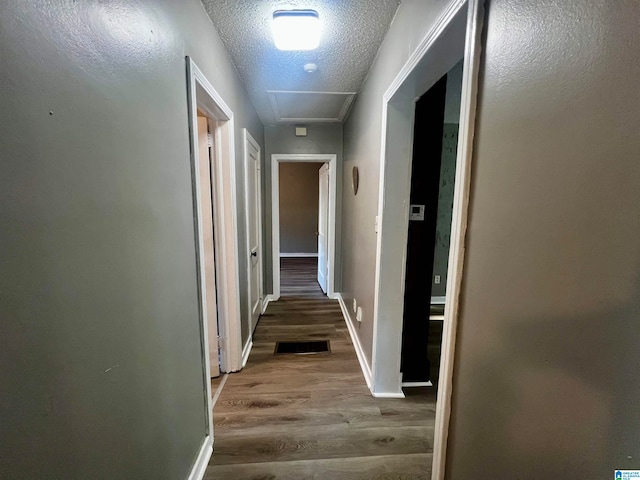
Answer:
(279, 88)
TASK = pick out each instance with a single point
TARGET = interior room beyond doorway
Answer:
(299, 209)
(303, 201)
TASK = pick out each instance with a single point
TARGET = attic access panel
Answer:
(304, 107)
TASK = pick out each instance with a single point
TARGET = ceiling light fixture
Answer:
(296, 29)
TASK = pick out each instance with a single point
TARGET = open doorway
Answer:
(303, 240)
(435, 137)
(205, 175)
(456, 34)
(211, 135)
(303, 217)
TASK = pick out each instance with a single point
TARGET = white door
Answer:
(254, 226)
(323, 224)
(204, 158)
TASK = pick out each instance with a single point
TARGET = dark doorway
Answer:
(425, 180)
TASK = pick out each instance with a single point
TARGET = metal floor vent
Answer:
(302, 348)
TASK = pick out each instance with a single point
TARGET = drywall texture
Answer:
(454, 93)
(321, 138)
(546, 381)
(445, 208)
(447, 180)
(299, 189)
(102, 373)
(351, 34)
(362, 133)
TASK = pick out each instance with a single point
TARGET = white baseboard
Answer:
(388, 394)
(418, 384)
(265, 302)
(246, 351)
(366, 369)
(298, 255)
(200, 466)
(216, 396)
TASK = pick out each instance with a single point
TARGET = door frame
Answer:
(202, 96)
(247, 138)
(276, 159)
(430, 60)
(204, 148)
(325, 168)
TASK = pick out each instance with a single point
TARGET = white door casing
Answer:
(201, 96)
(323, 220)
(331, 160)
(253, 214)
(457, 30)
(208, 252)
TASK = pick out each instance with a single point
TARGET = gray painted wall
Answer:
(321, 138)
(299, 190)
(447, 179)
(99, 340)
(445, 208)
(546, 382)
(362, 133)
(454, 93)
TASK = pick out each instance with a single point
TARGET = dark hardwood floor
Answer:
(312, 416)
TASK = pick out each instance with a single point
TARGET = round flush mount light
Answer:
(310, 67)
(296, 29)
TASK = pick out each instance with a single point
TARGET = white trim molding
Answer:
(357, 345)
(202, 96)
(472, 53)
(276, 159)
(265, 302)
(202, 460)
(249, 140)
(216, 396)
(299, 255)
(388, 394)
(417, 384)
(442, 46)
(273, 99)
(246, 351)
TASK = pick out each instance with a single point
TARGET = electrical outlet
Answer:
(437, 279)
(355, 305)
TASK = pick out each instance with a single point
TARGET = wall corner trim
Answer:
(388, 394)
(246, 351)
(362, 359)
(266, 301)
(200, 466)
(425, 44)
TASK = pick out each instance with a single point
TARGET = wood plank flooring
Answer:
(312, 416)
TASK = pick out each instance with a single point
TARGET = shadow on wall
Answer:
(557, 393)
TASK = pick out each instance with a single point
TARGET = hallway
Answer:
(312, 416)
